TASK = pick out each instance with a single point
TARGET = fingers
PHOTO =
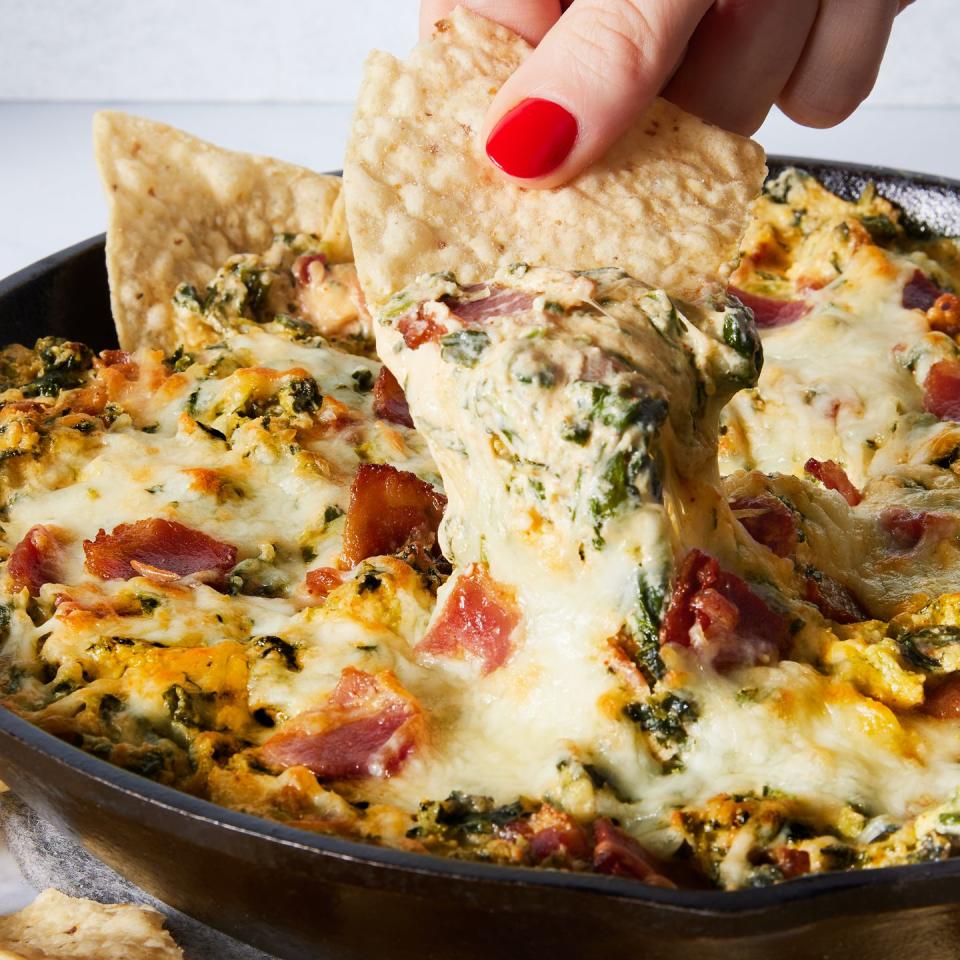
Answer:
(740, 58)
(840, 61)
(593, 73)
(530, 18)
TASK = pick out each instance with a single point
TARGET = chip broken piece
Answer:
(56, 926)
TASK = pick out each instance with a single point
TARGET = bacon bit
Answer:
(791, 861)
(553, 836)
(389, 401)
(501, 302)
(941, 390)
(768, 312)
(834, 600)
(618, 854)
(622, 657)
(920, 292)
(944, 315)
(834, 477)
(367, 728)
(943, 700)
(36, 560)
(322, 580)
(738, 628)
(91, 399)
(909, 527)
(116, 369)
(111, 358)
(310, 267)
(389, 509)
(418, 328)
(162, 546)
(478, 620)
(769, 521)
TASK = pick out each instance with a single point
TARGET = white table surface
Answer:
(50, 196)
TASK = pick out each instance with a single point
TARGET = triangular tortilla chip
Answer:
(180, 207)
(668, 204)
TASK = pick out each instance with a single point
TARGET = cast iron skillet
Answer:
(301, 895)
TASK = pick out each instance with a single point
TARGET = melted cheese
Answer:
(577, 440)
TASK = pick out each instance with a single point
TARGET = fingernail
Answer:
(532, 139)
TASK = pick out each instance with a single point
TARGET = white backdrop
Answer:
(310, 50)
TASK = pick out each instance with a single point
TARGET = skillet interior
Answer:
(304, 895)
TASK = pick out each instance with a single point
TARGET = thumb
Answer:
(593, 73)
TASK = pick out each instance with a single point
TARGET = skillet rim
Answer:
(726, 905)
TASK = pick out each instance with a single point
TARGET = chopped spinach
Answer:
(257, 578)
(464, 347)
(184, 707)
(282, 648)
(740, 333)
(664, 717)
(925, 648)
(881, 228)
(64, 365)
(462, 817)
(362, 380)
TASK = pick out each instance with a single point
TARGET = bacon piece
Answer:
(737, 627)
(834, 600)
(389, 402)
(791, 861)
(389, 509)
(618, 854)
(161, 549)
(556, 836)
(768, 312)
(36, 560)
(419, 327)
(553, 836)
(769, 521)
(112, 358)
(941, 390)
(303, 264)
(116, 367)
(909, 527)
(944, 315)
(478, 620)
(834, 477)
(367, 728)
(322, 580)
(943, 700)
(920, 292)
(501, 302)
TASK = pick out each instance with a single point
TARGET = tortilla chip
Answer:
(668, 204)
(336, 238)
(56, 926)
(180, 207)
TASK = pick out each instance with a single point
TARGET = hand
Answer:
(599, 63)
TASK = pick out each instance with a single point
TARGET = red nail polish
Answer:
(532, 139)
